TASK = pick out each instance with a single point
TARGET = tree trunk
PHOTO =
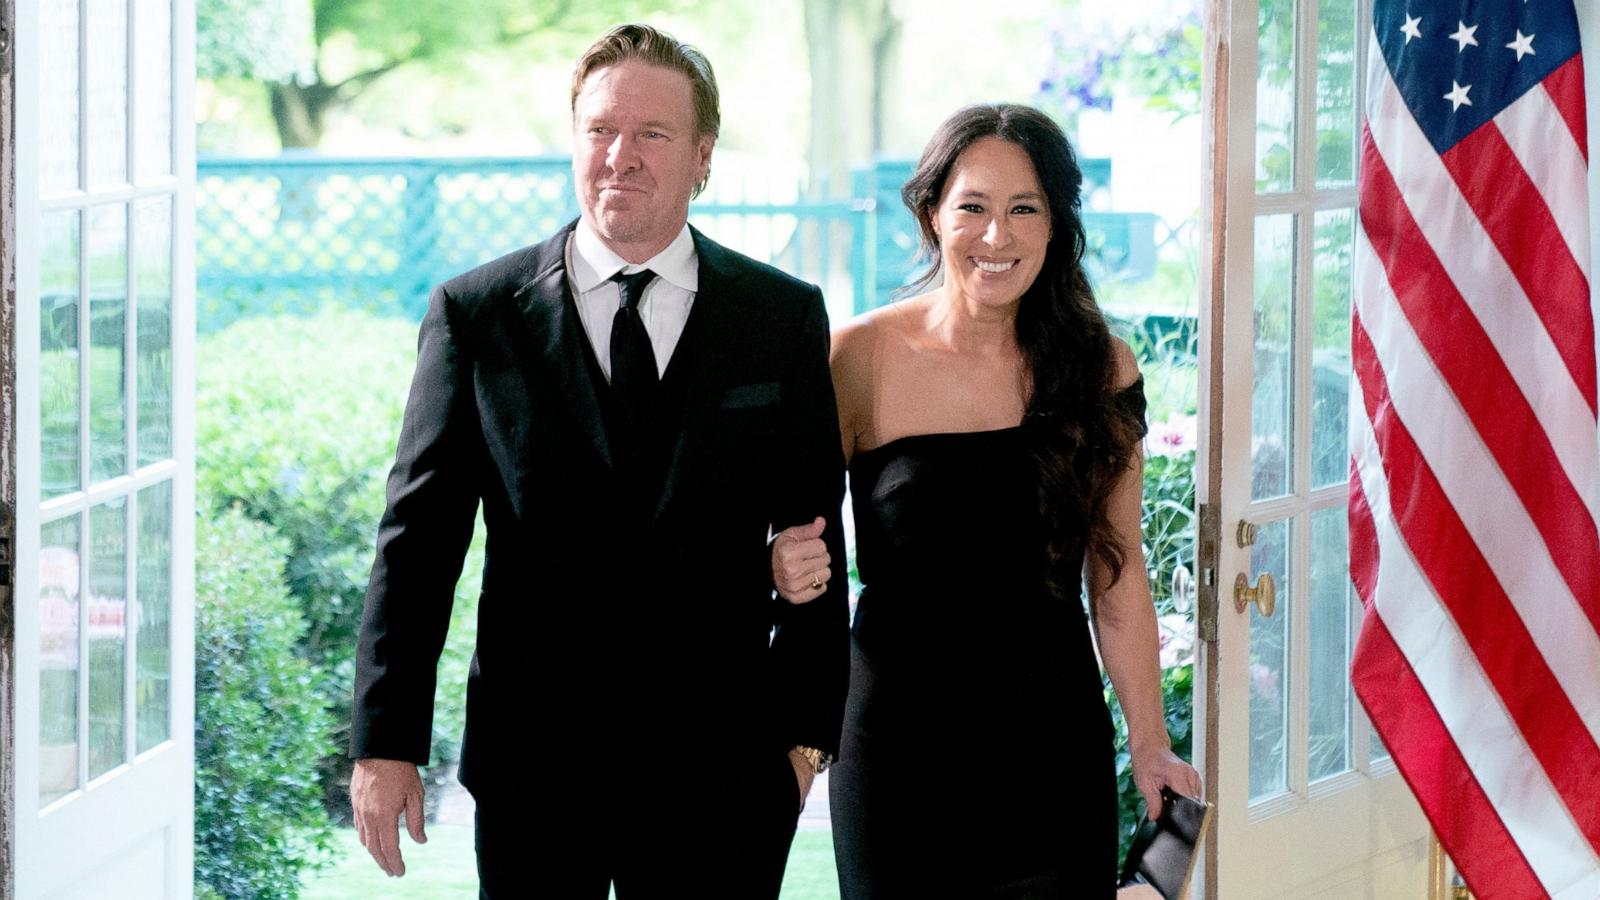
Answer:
(885, 72)
(829, 58)
(852, 50)
(301, 111)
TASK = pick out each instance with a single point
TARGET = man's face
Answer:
(637, 155)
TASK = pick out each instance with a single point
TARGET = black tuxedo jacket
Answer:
(604, 636)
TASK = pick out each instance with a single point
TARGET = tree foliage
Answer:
(350, 44)
(1157, 60)
(268, 40)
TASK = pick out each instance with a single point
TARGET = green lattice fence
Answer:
(295, 233)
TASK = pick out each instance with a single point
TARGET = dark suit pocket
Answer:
(745, 396)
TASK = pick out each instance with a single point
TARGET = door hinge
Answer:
(8, 528)
(5, 36)
(1206, 539)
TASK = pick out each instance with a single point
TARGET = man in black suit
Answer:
(636, 408)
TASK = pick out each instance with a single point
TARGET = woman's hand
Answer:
(1158, 768)
(800, 563)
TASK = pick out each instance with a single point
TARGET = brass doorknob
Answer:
(1264, 595)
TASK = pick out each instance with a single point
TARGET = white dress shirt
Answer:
(664, 306)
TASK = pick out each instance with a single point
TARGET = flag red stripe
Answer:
(1467, 586)
(1363, 541)
(1467, 824)
(1565, 87)
(1478, 377)
(1517, 219)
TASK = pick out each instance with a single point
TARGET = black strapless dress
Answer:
(977, 759)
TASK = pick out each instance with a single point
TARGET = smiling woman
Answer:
(993, 223)
(992, 427)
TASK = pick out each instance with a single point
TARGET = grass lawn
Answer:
(444, 868)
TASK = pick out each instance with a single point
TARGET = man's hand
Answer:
(800, 563)
(380, 789)
(803, 775)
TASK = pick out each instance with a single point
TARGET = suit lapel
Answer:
(547, 307)
(706, 339)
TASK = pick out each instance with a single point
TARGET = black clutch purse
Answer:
(1163, 851)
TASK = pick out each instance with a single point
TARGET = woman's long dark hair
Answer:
(1080, 439)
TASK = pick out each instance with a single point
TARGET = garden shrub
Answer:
(1177, 691)
(261, 724)
(1166, 355)
(296, 423)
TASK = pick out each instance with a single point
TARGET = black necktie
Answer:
(633, 363)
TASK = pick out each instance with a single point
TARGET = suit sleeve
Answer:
(811, 643)
(432, 499)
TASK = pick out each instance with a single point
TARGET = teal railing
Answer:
(291, 234)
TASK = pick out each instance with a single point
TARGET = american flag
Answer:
(1475, 475)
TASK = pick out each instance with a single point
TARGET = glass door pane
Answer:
(153, 327)
(59, 93)
(107, 41)
(153, 92)
(1331, 697)
(1269, 667)
(60, 268)
(1333, 231)
(1336, 93)
(60, 575)
(1275, 96)
(107, 344)
(152, 622)
(1272, 446)
(107, 633)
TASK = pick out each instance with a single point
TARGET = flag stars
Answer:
(1458, 95)
(1463, 36)
(1412, 28)
(1523, 45)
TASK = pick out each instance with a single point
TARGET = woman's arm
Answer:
(850, 361)
(1125, 627)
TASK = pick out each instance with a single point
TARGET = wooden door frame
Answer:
(8, 441)
(1208, 456)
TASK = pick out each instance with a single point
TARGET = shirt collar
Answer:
(593, 263)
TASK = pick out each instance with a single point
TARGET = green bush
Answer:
(1168, 524)
(1177, 688)
(261, 725)
(296, 425)
(1166, 355)
(1169, 528)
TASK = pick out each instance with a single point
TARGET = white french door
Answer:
(1308, 803)
(103, 801)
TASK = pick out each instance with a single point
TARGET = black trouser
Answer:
(653, 832)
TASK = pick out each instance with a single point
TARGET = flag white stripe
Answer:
(1479, 493)
(1554, 162)
(1468, 706)
(1485, 282)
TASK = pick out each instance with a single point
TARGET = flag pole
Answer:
(1441, 886)
(1438, 886)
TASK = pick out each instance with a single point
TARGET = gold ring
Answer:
(816, 583)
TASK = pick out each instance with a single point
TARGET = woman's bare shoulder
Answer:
(858, 341)
(1127, 365)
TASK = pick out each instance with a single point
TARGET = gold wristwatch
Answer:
(818, 760)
